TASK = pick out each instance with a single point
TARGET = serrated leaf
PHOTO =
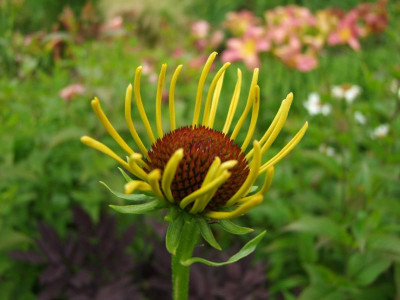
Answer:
(245, 251)
(231, 227)
(126, 176)
(322, 226)
(138, 208)
(131, 197)
(207, 234)
(174, 233)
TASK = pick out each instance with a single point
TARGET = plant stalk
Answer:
(180, 273)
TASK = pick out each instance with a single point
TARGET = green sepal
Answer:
(131, 197)
(245, 251)
(174, 233)
(231, 227)
(207, 234)
(173, 213)
(139, 208)
(126, 176)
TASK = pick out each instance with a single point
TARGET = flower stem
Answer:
(180, 273)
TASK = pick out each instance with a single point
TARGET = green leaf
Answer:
(126, 176)
(174, 233)
(131, 197)
(245, 251)
(207, 234)
(231, 227)
(138, 208)
(366, 267)
(325, 292)
(322, 226)
(9, 238)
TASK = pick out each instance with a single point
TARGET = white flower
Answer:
(329, 151)
(346, 91)
(315, 107)
(380, 132)
(360, 118)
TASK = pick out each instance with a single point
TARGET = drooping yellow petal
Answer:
(160, 85)
(254, 168)
(128, 119)
(249, 103)
(221, 71)
(172, 97)
(169, 173)
(154, 181)
(200, 87)
(108, 126)
(254, 117)
(264, 189)
(139, 104)
(133, 163)
(88, 141)
(139, 185)
(234, 103)
(239, 211)
(285, 150)
(214, 103)
(204, 189)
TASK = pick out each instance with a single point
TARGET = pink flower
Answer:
(200, 29)
(238, 23)
(347, 32)
(71, 91)
(247, 47)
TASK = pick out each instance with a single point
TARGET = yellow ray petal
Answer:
(133, 163)
(199, 94)
(139, 104)
(285, 150)
(139, 185)
(128, 119)
(88, 141)
(234, 103)
(254, 167)
(169, 173)
(254, 117)
(172, 97)
(239, 211)
(204, 189)
(215, 100)
(248, 105)
(206, 114)
(161, 79)
(108, 126)
(264, 189)
(154, 181)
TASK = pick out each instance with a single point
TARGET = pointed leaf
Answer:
(174, 233)
(138, 208)
(207, 234)
(131, 197)
(231, 227)
(126, 176)
(245, 251)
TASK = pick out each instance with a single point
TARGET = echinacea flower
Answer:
(201, 170)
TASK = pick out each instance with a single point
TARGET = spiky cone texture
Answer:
(198, 168)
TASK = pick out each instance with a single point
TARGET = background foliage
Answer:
(332, 215)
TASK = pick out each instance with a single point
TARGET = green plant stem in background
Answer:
(180, 273)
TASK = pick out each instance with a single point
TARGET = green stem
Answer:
(180, 273)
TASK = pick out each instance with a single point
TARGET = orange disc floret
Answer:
(201, 146)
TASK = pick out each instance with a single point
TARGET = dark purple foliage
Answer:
(91, 264)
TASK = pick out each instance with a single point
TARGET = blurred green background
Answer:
(333, 211)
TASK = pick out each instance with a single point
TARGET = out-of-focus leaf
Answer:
(10, 238)
(365, 268)
(321, 226)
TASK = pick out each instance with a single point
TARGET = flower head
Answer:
(347, 91)
(314, 106)
(200, 169)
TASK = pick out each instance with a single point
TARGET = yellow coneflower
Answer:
(198, 168)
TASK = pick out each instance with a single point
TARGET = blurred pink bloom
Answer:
(115, 23)
(198, 62)
(347, 32)
(374, 15)
(71, 91)
(217, 38)
(178, 52)
(238, 23)
(247, 47)
(200, 29)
